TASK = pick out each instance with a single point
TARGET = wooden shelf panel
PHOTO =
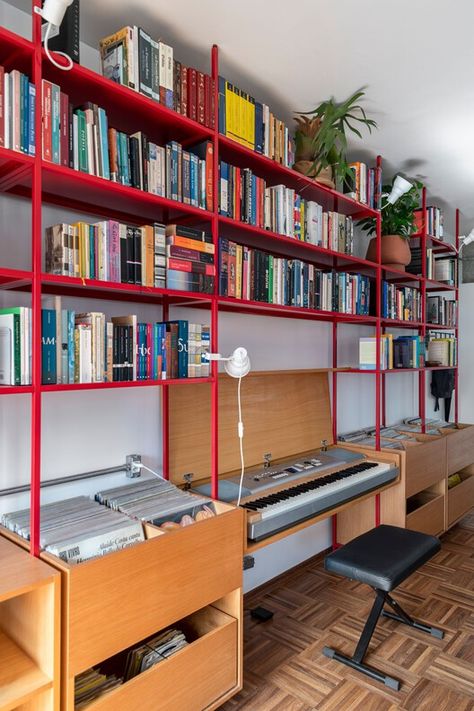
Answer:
(20, 678)
(25, 573)
(274, 173)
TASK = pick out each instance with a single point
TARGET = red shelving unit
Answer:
(44, 182)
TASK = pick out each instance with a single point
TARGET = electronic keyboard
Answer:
(277, 498)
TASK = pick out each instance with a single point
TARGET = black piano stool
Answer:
(382, 558)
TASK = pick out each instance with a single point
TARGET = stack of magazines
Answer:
(155, 650)
(91, 684)
(78, 529)
(156, 501)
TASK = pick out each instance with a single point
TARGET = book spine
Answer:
(48, 346)
(145, 61)
(201, 97)
(64, 128)
(46, 114)
(31, 118)
(155, 70)
(192, 93)
(55, 124)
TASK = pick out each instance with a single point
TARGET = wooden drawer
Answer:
(460, 448)
(461, 497)
(191, 679)
(425, 462)
(429, 516)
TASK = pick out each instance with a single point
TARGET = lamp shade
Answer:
(400, 186)
(238, 365)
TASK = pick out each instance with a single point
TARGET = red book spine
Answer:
(238, 193)
(16, 110)
(64, 128)
(212, 109)
(2, 106)
(181, 265)
(184, 90)
(113, 158)
(232, 268)
(207, 100)
(201, 97)
(47, 133)
(192, 94)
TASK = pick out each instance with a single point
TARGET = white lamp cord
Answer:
(240, 430)
(143, 466)
(65, 67)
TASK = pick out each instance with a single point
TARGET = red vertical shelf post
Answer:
(165, 412)
(215, 303)
(456, 330)
(36, 199)
(422, 372)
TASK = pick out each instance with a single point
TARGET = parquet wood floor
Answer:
(284, 667)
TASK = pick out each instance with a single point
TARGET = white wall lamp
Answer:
(236, 365)
(400, 186)
(53, 12)
(464, 240)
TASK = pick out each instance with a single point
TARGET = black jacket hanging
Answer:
(442, 385)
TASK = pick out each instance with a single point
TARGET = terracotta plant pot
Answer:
(395, 251)
(324, 176)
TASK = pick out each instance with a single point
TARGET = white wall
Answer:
(90, 430)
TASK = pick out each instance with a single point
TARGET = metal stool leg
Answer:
(401, 616)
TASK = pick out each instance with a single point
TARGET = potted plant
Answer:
(398, 224)
(321, 141)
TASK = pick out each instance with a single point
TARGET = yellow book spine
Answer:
(238, 271)
(302, 221)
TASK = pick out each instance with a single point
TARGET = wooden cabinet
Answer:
(460, 447)
(427, 515)
(30, 607)
(461, 496)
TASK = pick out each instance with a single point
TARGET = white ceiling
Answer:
(415, 58)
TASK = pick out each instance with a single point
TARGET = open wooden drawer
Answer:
(425, 461)
(461, 496)
(194, 678)
(425, 512)
(460, 447)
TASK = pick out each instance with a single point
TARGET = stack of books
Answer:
(158, 502)
(246, 273)
(91, 684)
(15, 346)
(400, 302)
(442, 348)
(416, 263)
(444, 269)
(88, 348)
(108, 251)
(365, 185)
(398, 352)
(17, 112)
(434, 222)
(82, 139)
(243, 196)
(253, 125)
(78, 529)
(132, 58)
(441, 311)
(190, 259)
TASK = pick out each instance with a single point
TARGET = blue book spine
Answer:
(183, 336)
(258, 127)
(104, 142)
(55, 130)
(194, 179)
(126, 158)
(306, 285)
(48, 347)
(92, 266)
(224, 189)
(140, 349)
(162, 339)
(174, 170)
(156, 352)
(70, 344)
(24, 113)
(64, 347)
(31, 119)
(221, 105)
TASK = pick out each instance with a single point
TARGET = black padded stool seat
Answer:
(382, 558)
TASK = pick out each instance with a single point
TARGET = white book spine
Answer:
(98, 545)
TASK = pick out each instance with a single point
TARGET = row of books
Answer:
(365, 184)
(246, 273)
(245, 197)
(442, 349)
(400, 302)
(17, 111)
(253, 125)
(434, 221)
(395, 352)
(87, 348)
(172, 256)
(444, 269)
(91, 684)
(82, 139)
(441, 311)
(131, 57)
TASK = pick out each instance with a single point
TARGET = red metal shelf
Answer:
(283, 245)
(127, 110)
(90, 194)
(15, 278)
(399, 276)
(16, 52)
(14, 167)
(388, 371)
(275, 173)
(439, 327)
(15, 389)
(439, 245)
(93, 288)
(433, 285)
(128, 384)
(398, 323)
(228, 303)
